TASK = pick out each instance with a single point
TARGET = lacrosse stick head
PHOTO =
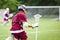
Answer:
(37, 18)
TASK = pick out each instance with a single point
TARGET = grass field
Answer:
(47, 30)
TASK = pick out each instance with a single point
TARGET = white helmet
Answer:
(22, 7)
(7, 9)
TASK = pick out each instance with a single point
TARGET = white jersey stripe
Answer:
(17, 31)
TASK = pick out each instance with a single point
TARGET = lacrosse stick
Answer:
(37, 19)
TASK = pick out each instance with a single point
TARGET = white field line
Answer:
(36, 33)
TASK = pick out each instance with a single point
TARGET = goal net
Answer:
(47, 12)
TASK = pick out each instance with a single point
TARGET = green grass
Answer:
(47, 30)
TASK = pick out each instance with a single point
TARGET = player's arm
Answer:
(25, 24)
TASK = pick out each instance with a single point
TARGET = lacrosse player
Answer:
(5, 16)
(18, 22)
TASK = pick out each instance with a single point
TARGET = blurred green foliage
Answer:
(12, 4)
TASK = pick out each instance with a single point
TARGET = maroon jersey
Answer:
(17, 19)
(6, 17)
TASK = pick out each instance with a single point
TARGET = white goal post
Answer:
(45, 7)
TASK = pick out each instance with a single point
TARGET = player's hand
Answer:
(34, 25)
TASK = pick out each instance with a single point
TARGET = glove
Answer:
(34, 25)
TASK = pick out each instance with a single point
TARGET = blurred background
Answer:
(12, 4)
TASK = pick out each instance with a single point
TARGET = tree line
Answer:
(12, 4)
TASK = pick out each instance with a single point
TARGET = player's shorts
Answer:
(21, 35)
